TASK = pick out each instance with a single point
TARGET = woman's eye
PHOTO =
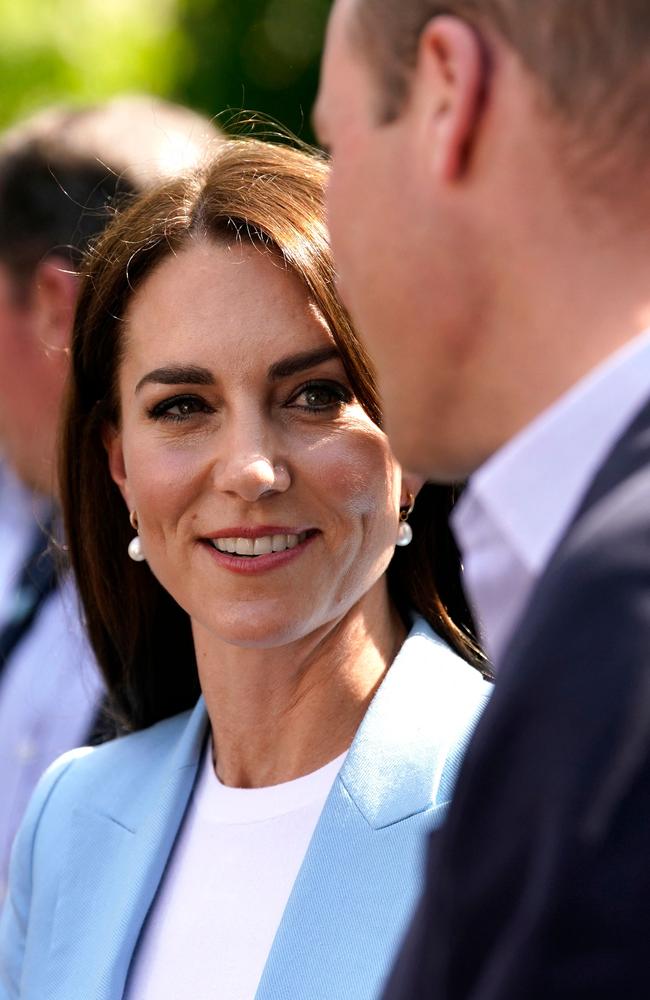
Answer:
(321, 396)
(178, 408)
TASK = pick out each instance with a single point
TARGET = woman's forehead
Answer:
(236, 305)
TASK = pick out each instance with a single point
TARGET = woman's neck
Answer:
(282, 712)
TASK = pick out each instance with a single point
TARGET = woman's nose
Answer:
(253, 477)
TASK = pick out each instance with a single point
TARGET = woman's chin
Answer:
(259, 630)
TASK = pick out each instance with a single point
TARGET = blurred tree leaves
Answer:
(84, 50)
(215, 55)
(261, 55)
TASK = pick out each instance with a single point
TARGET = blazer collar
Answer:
(396, 763)
(123, 858)
(629, 455)
(631, 452)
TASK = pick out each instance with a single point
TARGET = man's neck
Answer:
(553, 319)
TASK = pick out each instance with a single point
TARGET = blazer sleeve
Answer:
(14, 920)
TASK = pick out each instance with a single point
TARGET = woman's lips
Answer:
(246, 554)
(260, 545)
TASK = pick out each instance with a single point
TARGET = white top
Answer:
(521, 501)
(223, 894)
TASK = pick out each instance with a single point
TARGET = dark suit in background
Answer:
(539, 883)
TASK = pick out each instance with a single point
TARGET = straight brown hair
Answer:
(269, 194)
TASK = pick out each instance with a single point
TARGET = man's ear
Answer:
(54, 297)
(449, 84)
(112, 441)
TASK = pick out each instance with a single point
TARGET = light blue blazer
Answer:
(92, 850)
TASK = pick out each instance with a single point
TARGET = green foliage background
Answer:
(262, 55)
(215, 55)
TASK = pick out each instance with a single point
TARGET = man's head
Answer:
(62, 174)
(478, 146)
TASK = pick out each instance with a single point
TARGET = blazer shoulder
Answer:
(455, 694)
(408, 749)
(15, 913)
(104, 777)
(118, 786)
(444, 675)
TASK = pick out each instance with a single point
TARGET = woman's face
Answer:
(267, 500)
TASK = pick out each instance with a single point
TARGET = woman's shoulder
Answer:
(444, 669)
(119, 782)
(110, 773)
(408, 749)
(451, 696)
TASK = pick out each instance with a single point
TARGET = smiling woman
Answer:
(239, 429)
(222, 409)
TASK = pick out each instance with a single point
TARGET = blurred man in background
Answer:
(490, 212)
(63, 174)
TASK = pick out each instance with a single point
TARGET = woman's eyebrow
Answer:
(296, 363)
(177, 375)
(195, 375)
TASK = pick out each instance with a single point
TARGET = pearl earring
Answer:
(135, 545)
(405, 531)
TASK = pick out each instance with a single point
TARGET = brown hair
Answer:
(591, 57)
(63, 168)
(251, 190)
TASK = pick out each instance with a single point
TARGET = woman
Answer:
(223, 428)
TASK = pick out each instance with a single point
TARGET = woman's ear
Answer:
(112, 441)
(411, 486)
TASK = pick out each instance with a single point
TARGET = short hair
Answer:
(591, 58)
(63, 170)
(270, 195)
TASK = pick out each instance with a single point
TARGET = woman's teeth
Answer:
(258, 546)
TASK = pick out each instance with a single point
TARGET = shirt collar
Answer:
(532, 487)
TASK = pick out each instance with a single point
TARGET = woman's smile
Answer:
(257, 550)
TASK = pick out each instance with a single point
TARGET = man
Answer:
(62, 175)
(490, 212)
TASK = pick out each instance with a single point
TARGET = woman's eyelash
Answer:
(186, 405)
(332, 394)
(320, 395)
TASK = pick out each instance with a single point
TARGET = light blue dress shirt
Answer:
(50, 687)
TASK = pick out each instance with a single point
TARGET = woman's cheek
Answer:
(357, 472)
(162, 480)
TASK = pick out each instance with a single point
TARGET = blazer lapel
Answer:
(631, 452)
(363, 870)
(90, 954)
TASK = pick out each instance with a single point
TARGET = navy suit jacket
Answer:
(539, 883)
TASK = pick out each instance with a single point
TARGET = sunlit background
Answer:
(214, 55)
